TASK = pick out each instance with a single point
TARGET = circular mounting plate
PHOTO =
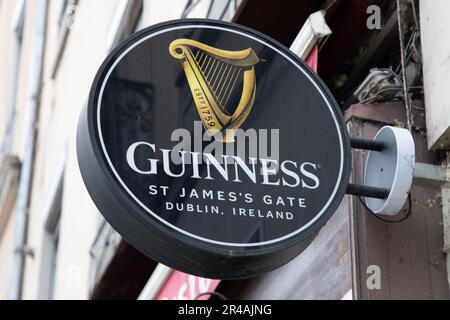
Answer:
(392, 169)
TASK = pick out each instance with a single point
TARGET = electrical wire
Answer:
(416, 19)
(403, 63)
(379, 95)
(331, 4)
(408, 102)
(387, 220)
(417, 108)
(211, 294)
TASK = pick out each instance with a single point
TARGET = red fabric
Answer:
(313, 58)
(182, 286)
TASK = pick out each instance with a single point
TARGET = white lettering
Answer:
(131, 158)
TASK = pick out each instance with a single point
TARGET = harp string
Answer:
(233, 86)
(209, 68)
(200, 59)
(214, 74)
(207, 63)
(208, 74)
(204, 68)
(225, 69)
(219, 84)
(227, 83)
(220, 76)
(204, 57)
(217, 75)
(203, 64)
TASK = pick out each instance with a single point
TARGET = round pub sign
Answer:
(212, 148)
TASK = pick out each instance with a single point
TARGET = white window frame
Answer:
(63, 35)
(125, 17)
(227, 12)
(9, 183)
(50, 221)
(17, 29)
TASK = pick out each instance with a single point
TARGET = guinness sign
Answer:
(212, 148)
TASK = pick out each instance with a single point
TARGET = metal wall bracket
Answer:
(389, 170)
(367, 191)
(365, 144)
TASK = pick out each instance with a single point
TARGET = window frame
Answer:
(51, 220)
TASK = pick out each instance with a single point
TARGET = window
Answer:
(63, 12)
(18, 22)
(9, 182)
(53, 243)
(66, 18)
(9, 164)
(222, 9)
(211, 9)
(123, 22)
(51, 236)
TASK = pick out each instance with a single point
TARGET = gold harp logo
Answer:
(223, 84)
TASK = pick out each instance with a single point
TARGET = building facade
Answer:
(54, 244)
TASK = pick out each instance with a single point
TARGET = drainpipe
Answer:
(21, 249)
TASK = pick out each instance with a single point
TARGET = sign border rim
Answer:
(107, 68)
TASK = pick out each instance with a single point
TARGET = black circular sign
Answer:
(212, 148)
